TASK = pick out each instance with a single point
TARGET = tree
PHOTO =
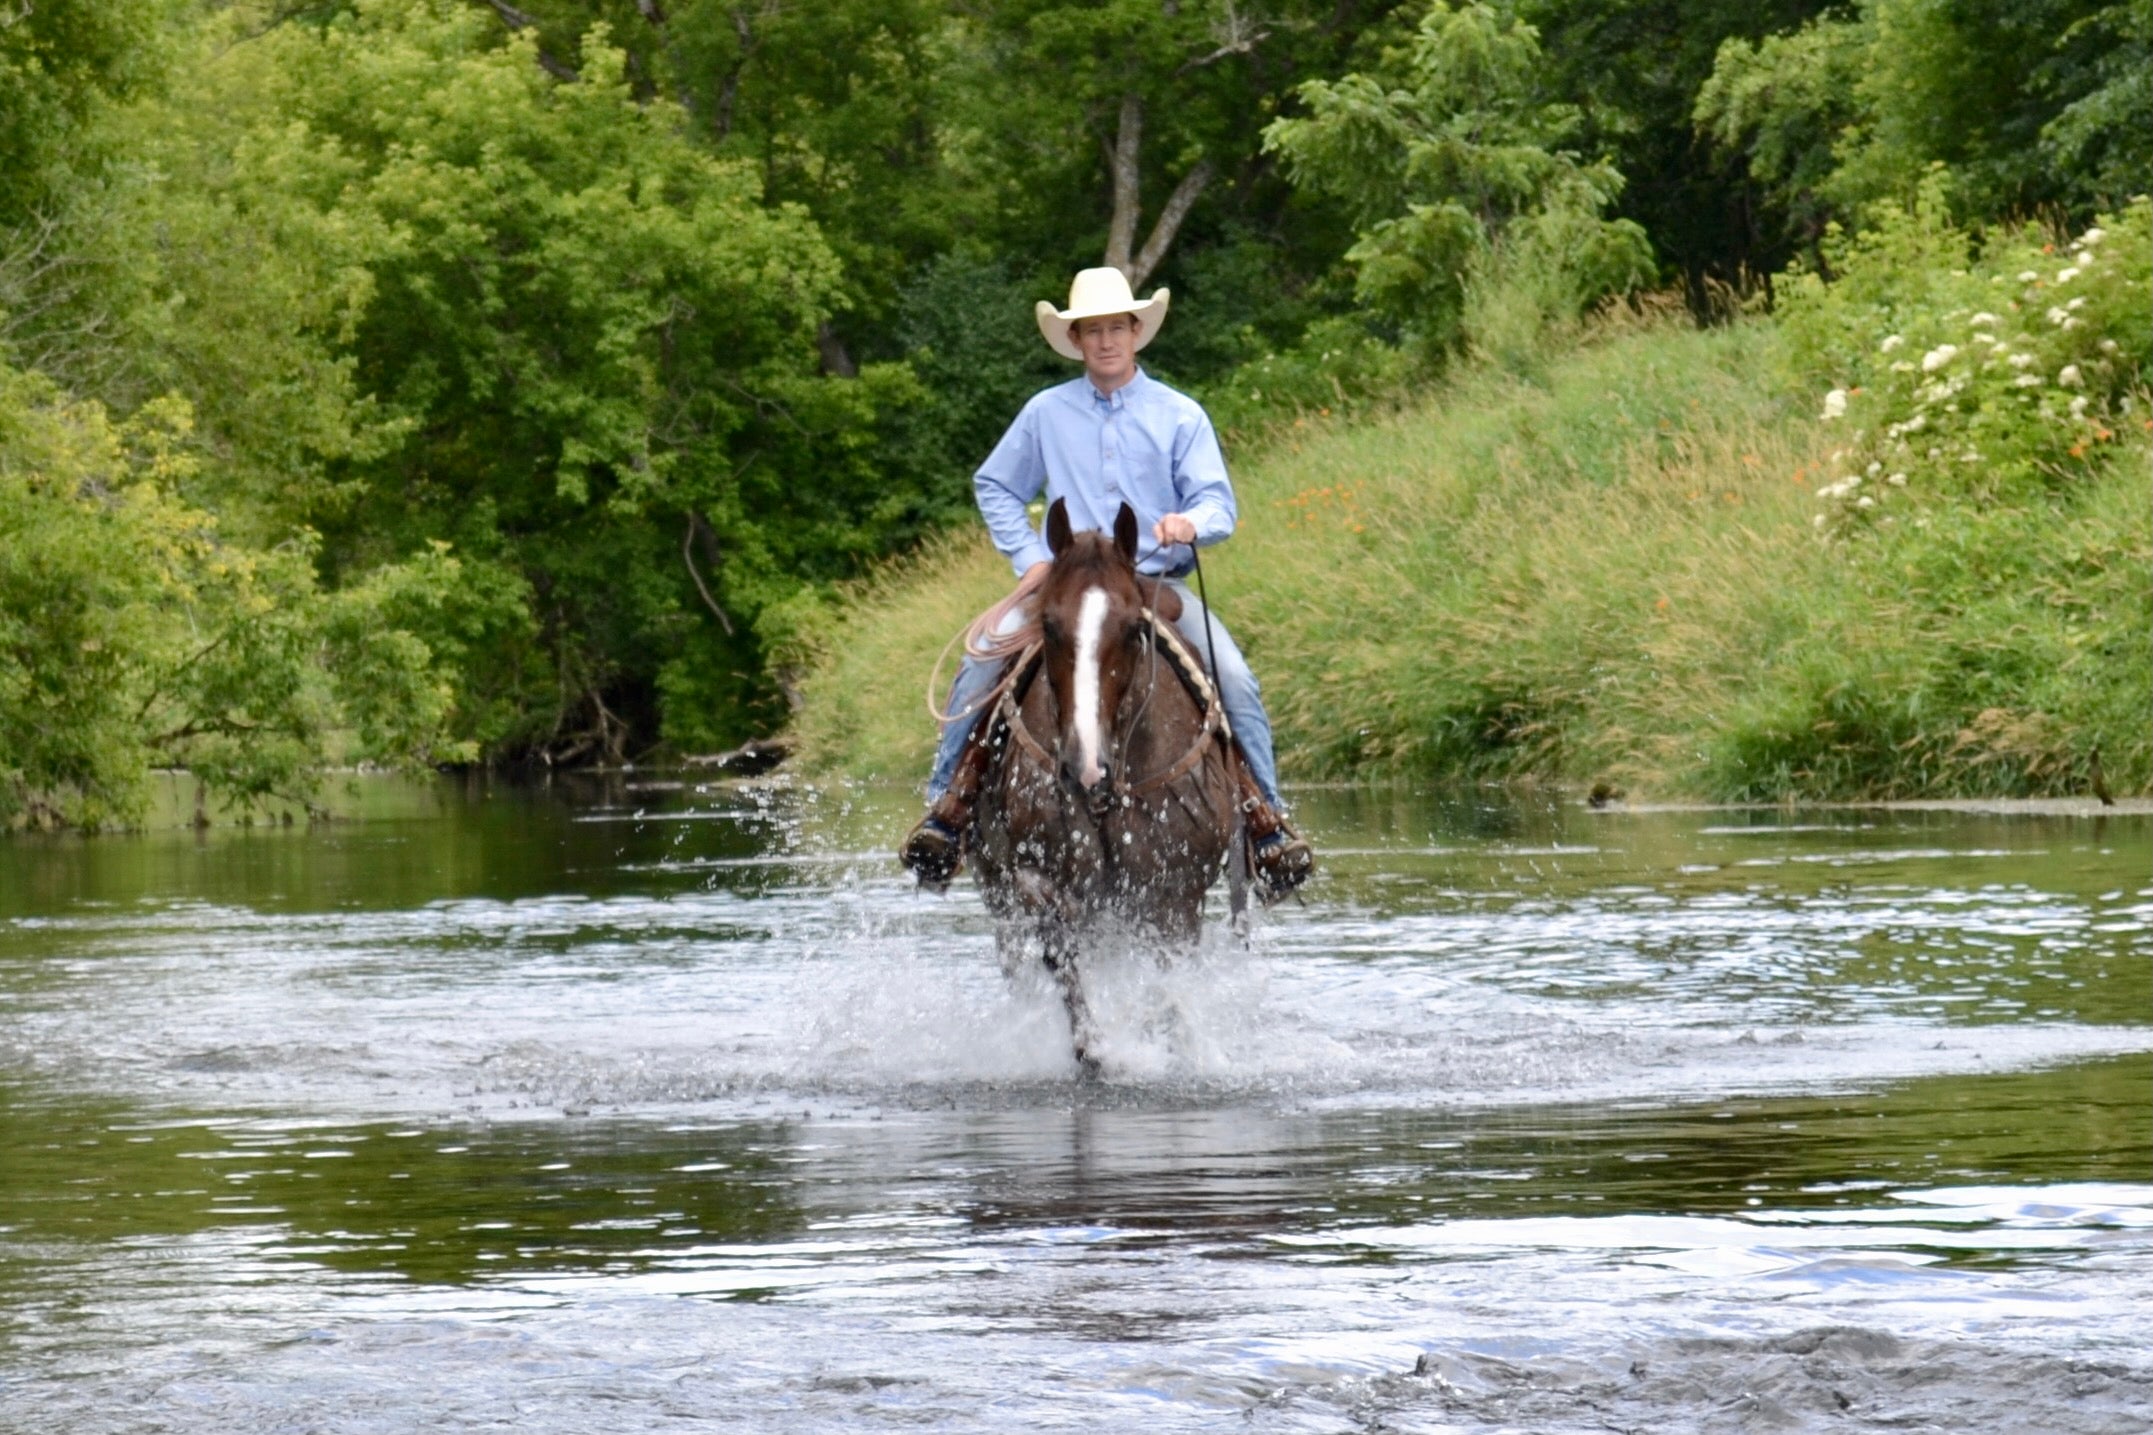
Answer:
(2027, 104)
(2100, 139)
(1446, 160)
(1780, 105)
(58, 63)
(134, 633)
(1633, 69)
(1101, 129)
(528, 317)
(836, 105)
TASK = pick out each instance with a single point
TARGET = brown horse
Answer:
(1110, 806)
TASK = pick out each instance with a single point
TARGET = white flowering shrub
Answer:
(1972, 369)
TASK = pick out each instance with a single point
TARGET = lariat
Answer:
(985, 641)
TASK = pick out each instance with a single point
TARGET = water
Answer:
(619, 1109)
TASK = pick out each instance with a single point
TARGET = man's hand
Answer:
(1173, 528)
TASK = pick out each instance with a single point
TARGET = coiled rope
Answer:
(984, 640)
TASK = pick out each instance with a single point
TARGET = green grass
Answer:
(1608, 570)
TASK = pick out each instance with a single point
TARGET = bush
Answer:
(1336, 368)
(1959, 371)
(1987, 651)
(133, 633)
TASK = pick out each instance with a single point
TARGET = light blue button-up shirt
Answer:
(1145, 445)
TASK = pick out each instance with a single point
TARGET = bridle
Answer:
(1116, 791)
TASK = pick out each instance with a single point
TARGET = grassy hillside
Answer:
(1611, 570)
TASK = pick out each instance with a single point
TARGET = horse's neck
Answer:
(1157, 715)
(1154, 723)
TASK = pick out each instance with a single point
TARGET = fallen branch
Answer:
(756, 755)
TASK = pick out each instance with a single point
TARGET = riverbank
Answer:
(1607, 570)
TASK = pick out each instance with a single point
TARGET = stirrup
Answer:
(933, 851)
(1283, 861)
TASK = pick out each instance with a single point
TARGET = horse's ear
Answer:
(1058, 534)
(1125, 532)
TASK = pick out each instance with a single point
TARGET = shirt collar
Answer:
(1119, 396)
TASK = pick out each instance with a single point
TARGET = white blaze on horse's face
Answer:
(1090, 724)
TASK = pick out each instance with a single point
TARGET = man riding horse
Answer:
(1113, 436)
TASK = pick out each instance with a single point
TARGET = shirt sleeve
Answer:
(1200, 482)
(1009, 480)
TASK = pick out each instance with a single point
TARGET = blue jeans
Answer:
(1238, 691)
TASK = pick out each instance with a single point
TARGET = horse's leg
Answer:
(1011, 946)
(1061, 959)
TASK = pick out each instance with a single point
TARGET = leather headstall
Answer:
(1009, 713)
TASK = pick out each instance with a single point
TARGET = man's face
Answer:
(1109, 348)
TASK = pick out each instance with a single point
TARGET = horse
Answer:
(1109, 808)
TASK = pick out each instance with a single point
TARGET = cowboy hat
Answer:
(1094, 294)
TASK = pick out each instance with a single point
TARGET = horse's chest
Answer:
(1037, 838)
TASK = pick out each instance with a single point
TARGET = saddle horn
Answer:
(1164, 600)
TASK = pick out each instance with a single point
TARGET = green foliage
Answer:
(1239, 299)
(838, 107)
(910, 130)
(1444, 157)
(965, 326)
(1987, 651)
(1634, 70)
(1045, 87)
(2027, 103)
(133, 633)
(1336, 368)
(1782, 103)
(1953, 375)
(58, 63)
(2101, 140)
(463, 301)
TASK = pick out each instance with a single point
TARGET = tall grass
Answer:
(864, 709)
(1607, 570)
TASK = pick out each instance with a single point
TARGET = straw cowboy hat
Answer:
(1094, 294)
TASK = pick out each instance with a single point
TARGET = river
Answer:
(647, 1105)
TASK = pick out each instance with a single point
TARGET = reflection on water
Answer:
(616, 1107)
(462, 1203)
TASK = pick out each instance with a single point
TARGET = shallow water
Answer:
(610, 1108)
